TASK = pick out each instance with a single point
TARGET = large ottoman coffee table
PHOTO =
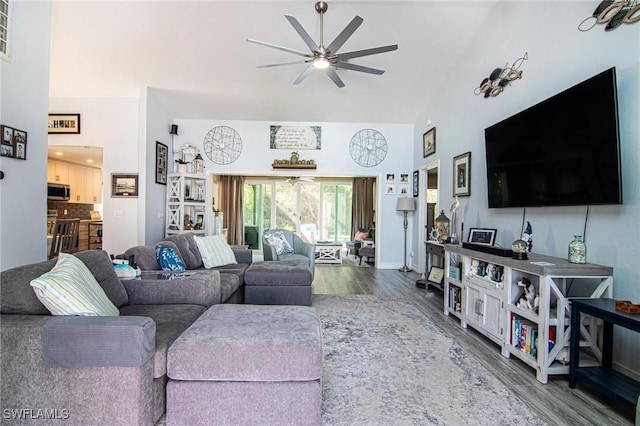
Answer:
(278, 283)
(247, 365)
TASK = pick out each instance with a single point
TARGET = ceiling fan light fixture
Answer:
(321, 62)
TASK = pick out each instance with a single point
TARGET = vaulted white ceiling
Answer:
(195, 57)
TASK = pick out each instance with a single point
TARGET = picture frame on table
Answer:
(484, 236)
(199, 222)
(416, 180)
(124, 185)
(162, 154)
(462, 175)
(429, 143)
(64, 124)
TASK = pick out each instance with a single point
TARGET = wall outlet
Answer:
(118, 213)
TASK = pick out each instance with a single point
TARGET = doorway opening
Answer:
(429, 206)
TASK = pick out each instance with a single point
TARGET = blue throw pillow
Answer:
(169, 259)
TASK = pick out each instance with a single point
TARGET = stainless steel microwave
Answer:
(58, 192)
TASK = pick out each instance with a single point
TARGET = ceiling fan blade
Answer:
(302, 32)
(344, 35)
(366, 52)
(333, 75)
(304, 74)
(283, 64)
(284, 49)
(354, 67)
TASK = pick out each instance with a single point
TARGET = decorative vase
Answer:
(182, 168)
(577, 250)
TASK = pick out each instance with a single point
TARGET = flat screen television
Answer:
(564, 151)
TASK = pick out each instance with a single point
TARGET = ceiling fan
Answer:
(295, 179)
(327, 58)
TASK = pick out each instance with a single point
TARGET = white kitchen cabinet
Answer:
(57, 172)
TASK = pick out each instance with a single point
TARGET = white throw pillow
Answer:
(70, 289)
(215, 251)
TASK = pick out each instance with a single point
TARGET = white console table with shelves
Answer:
(187, 195)
(481, 289)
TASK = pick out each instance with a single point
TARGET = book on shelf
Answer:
(524, 334)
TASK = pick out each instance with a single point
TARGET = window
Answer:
(5, 30)
(319, 210)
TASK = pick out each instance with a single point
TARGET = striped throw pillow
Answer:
(215, 251)
(70, 289)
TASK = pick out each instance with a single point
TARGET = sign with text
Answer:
(295, 137)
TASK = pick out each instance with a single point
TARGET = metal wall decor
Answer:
(612, 14)
(368, 148)
(500, 77)
(223, 145)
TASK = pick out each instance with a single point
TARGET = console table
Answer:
(607, 381)
(481, 289)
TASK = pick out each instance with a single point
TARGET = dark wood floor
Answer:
(554, 402)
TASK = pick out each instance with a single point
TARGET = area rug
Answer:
(386, 364)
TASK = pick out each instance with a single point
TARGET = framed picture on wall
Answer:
(64, 123)
(429, 143)
(162, 152)
(124, 185)
(416, 179)
(462, 175)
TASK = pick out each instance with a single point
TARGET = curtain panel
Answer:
(231, 203)
(362, 213)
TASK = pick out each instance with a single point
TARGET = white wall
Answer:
(158, 121)
(560, 56)
(24, 101)
(333, 159)
(112, 123)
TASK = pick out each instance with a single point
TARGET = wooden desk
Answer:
(619, 387)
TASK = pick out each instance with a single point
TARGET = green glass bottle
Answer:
(577, 250)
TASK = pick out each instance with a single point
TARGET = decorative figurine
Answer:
(527, 236)
(294, 157)
(526, 300)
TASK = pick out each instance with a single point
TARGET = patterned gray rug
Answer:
(386, 364)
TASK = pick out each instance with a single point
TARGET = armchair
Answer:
(354, 246)
(302, 251)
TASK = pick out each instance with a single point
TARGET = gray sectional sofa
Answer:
(231, 276)
(98, 370)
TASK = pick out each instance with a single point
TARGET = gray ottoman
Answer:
(278, 283)
(247, 364)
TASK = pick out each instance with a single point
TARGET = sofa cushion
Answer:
(169, 259)
(70, 289)
(101, 268)
(73, 341)
(17, 295)
(187, 248)
(214, 251)
(249, 343)
(171, 321)
(229, 283)
(279, 242)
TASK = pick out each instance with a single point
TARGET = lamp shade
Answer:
(405, 205)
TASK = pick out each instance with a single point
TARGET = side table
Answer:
(603, 378)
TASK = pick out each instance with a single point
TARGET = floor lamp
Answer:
(405, 205)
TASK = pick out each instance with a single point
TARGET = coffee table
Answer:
(328, 252)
